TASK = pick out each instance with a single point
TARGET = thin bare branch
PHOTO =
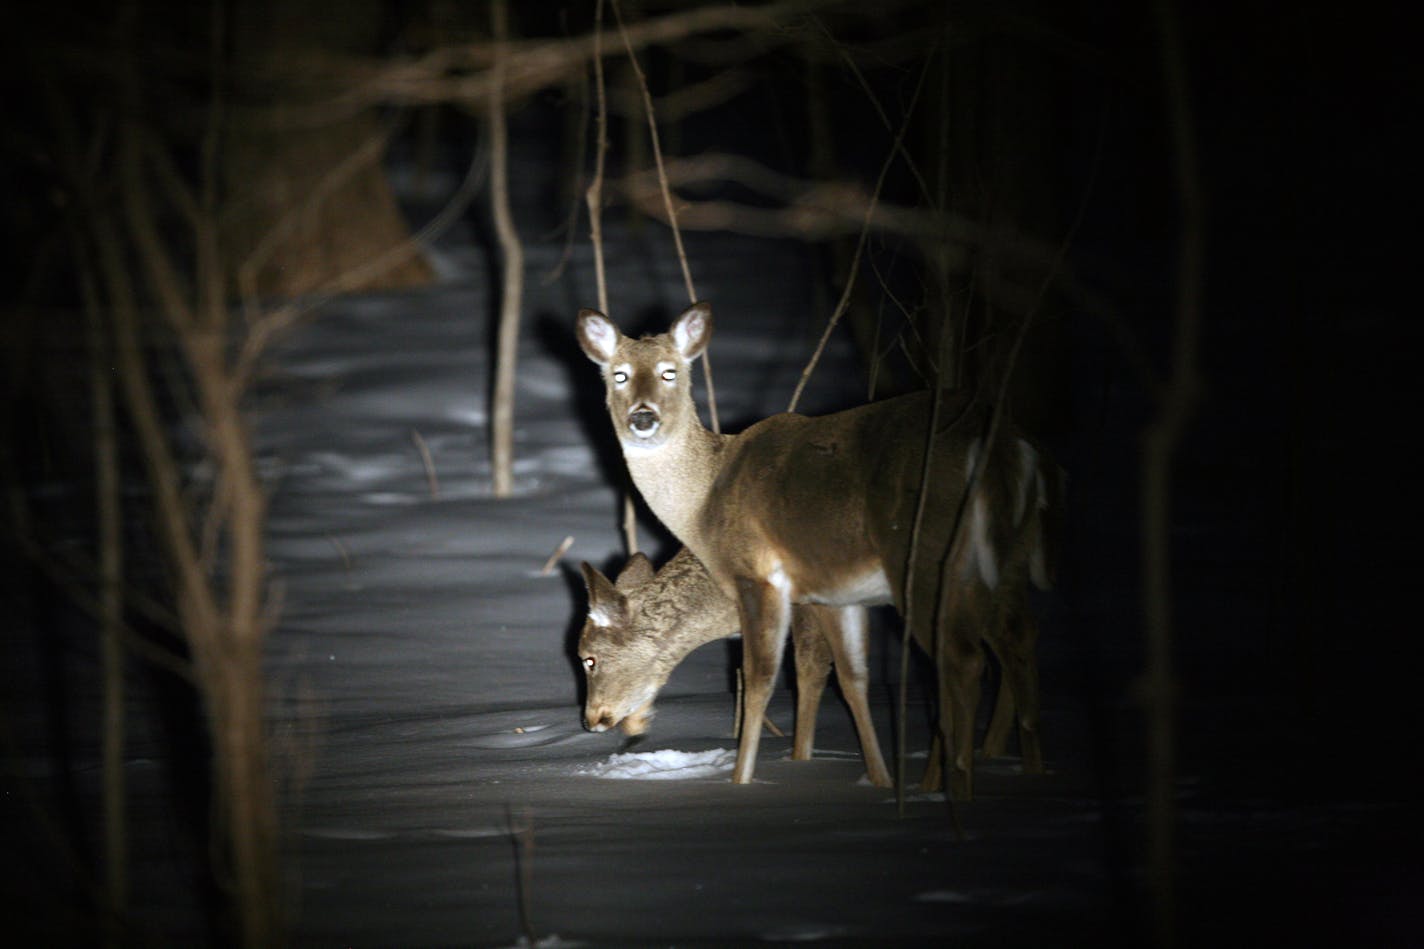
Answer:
(463, 74)
(668, 205)
(594, 198)
(653, 136)
(196, 605)
(557, 555)
(823, 211)
(850, 63)
(163, 278)
(594, 195)
(569, 228)
(860, 243)
(701, 96)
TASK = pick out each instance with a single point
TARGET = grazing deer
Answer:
(642, 625)
(822, 510)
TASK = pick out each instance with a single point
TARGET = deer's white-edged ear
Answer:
(636, 572)
(606, 606)
(597, 336)
(692, 331)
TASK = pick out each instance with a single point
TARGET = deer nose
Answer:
(643, 420)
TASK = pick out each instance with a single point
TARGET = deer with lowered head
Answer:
(801, 510)
(642, 625)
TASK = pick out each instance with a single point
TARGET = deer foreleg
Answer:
(765, 610)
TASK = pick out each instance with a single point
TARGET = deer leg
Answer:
(765, 614)
(960, 663)
(847, 637)
(812, 653)
(1021, 677)
(996, 739)
(933, 778)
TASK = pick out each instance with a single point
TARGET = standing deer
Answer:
(821, 510)
(642, 625)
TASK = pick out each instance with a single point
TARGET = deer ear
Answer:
(597, 336)
(692, 331)
(606, 606)
(636, 572)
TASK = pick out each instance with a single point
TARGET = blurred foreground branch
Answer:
(463, 73)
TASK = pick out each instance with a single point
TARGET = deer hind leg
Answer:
(765, 610)
(847, 635)
(1001, 635)
(811, 650)
(996, 739)
(1018, 653)
(933, 778)
(959, 663)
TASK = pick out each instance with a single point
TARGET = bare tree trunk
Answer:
(220, 612)
(110, 543)
(1160, 444)
(248, 806)
(512, 286)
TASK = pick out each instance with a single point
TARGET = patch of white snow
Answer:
(666, 765)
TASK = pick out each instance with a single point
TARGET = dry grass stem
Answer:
(557, 555)
(342, 551)
(521, 832)
(431, 479)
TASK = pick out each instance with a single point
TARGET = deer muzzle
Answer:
(599, 721)
(643, 420)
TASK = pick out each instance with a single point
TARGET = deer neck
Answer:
(676, 477)
(685, 607)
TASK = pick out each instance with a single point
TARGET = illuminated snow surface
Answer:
(667, 765)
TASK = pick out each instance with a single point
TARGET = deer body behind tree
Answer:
(823, 510)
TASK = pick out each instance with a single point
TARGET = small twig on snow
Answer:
(558, 553)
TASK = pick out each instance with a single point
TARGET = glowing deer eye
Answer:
(619, 376)
(589, 662)
(669, 375)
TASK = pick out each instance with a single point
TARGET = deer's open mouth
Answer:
(643, 421)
